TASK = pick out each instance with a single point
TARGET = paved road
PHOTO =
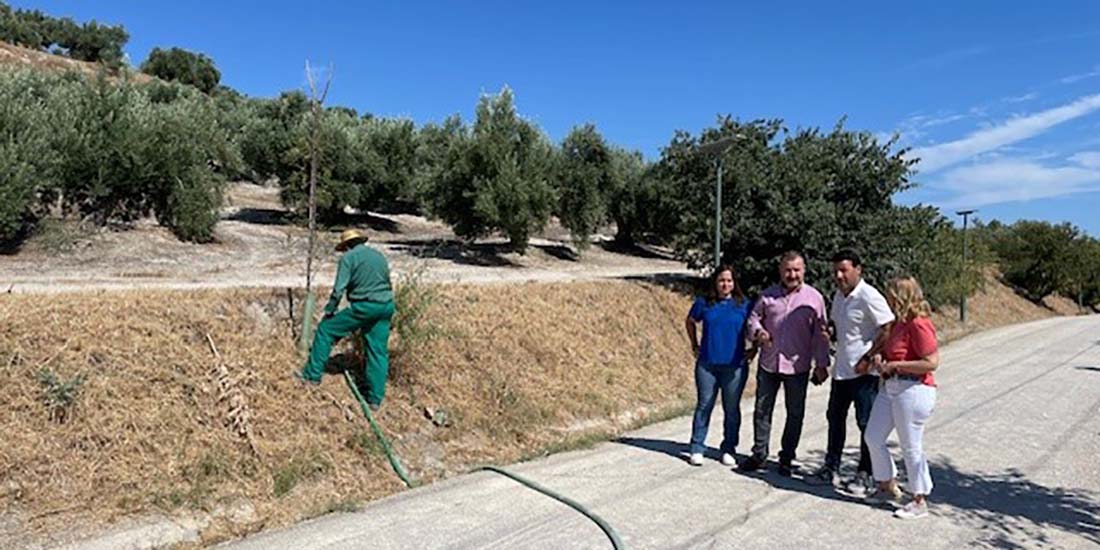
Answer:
(1014, 444)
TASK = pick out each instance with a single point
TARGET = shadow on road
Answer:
(1010, 510)
(1006, 509)
(1093, 369)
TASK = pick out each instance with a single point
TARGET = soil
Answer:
(257, 245)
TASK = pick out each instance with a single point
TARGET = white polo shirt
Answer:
(857, 317)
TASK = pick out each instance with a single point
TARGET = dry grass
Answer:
(996, 305)
(160, 422)
(18, 57)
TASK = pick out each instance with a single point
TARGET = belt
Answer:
(899, 376)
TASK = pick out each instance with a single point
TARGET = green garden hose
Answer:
(616, 542)
(394, 461)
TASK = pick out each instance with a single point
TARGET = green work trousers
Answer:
(373, 318)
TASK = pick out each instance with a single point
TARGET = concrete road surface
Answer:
(1014, 445)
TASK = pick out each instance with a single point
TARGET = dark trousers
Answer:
(794, 396)
(860, 391)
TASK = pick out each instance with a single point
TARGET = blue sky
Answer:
(1001, 100)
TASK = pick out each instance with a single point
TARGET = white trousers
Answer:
(905, 405)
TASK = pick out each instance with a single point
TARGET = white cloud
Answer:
(944, 59)
(1012, 180)
(1088, 159)
(1079, 77)
(1021, 98)
(935, 157)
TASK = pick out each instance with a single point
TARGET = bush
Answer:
(809, 191)
(1042, 258)
(496, 178)
(179, 65)
(59, 395)
(585, 182)
(26, 151)
(108, 153)
(88, 42)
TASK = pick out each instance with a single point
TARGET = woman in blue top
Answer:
(721, 362)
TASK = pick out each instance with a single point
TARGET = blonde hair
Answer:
(907, 299)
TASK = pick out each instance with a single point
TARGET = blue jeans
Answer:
(709, 380)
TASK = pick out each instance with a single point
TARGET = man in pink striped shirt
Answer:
(788, 324)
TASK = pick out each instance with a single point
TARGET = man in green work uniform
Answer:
(365, 276)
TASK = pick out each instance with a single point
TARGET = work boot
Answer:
(751, 464)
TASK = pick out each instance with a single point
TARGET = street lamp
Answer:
(718, 150)
(966, 238)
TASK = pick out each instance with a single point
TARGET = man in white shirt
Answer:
(861, 317)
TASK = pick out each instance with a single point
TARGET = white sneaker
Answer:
(912, 510)
(728, 460)
(862, 485)
(696, 459)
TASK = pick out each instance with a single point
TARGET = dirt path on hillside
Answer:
(258, 247)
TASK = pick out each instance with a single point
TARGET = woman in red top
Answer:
(905, 399)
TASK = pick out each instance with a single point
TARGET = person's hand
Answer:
(887, 368)
(763, 338)
(862, 366)
(820, 375)
(695, 350)
(876, 363)
(750, 354)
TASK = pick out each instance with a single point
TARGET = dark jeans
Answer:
(709, 380)
(861, 391)
(794, 396)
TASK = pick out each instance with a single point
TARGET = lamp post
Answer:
(966, 242)
(718, 150)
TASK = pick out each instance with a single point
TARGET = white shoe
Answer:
(912, 510)
(862, 485)
(696, 459)
(728, 460)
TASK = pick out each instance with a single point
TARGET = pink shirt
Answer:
(796, 322)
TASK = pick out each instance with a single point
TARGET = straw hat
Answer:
(349, 238)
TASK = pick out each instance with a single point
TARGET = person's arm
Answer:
(880, 311)
(863, 366)
(922, 340)
(343, 275)
(924, 365)
(693, 337)
(820, 340)
(756, 324)
(820, 344)
(693, 317)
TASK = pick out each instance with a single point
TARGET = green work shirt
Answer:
(364, 274)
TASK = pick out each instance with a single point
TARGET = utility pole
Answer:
(718, 149)
(966, 245)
